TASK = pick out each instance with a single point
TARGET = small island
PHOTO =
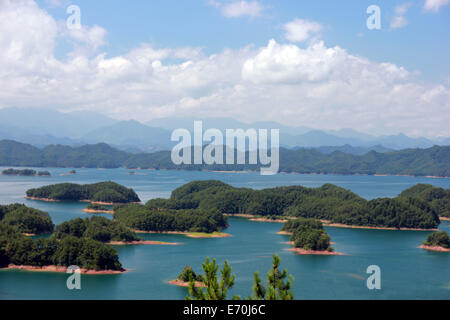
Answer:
(97, 208)
(20, 252)
(102, 230)
(26, 173)
(437, 241)
(308, 237)
(103, 193)
(70, 173)
(192, 223)
(185, 277)
(27, 220)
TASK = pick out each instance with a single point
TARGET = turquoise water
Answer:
(407, 271)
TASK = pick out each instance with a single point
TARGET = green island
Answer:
(196, 223)
(18, 251)
(97, 208)
(27, 220)
(332, 204)
(100, 193)
(185, 277)
(433, 161)
(96, 228)
(438, 198)
(437, 241)
(26, 172)
(308, 236)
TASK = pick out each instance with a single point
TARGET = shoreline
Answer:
(326, 223)
(198, 235)
(98, 211)
(248, 171)
(81, 201)
(183, 284)
(143, 242)
(304, 252)
(434, 248)
(444, 219)
(58, 269)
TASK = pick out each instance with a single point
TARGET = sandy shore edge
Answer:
(58, 269)
(180, 283)
(434, 248)
(326, 223)
(187, 234)
(143, 242)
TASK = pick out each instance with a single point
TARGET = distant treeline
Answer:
(146, 218)
(25, 172)
(328, 202)
(434, 161)
(107, 192)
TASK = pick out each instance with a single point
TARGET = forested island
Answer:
(437, 198)
(100, 193)
(192, 222)
(26, 220)
(433, 161)
(25, 172)
(75, 243)
(330, 203)
(97, 208)
(308, 236)
(437, 241)
(186, 276)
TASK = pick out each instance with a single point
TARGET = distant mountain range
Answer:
(41, 127)
(433, 161)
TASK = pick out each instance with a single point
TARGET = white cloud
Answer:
(318, 86)
(239, 8)
(435, 5)
(399, 20)
(300, 30)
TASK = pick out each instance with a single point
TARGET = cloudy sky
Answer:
(311, 63)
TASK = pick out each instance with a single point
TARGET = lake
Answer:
(407, 272)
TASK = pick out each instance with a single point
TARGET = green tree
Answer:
(216, 289)
(279, 284)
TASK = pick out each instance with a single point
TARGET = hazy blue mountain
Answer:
(353, 150)
(131, 134)
(24, 136)
(50, 122)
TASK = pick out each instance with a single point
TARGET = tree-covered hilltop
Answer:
(438, 198)
(433, 161)
(438, 239)
(301, 223)
(105, 192)
(17, 249)
(308, 234)
(27, 220)
(143, 218)
(187, 274)
(95, 228)
(328, 202)
(25, 172)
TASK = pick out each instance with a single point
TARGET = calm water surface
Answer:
(407, 271)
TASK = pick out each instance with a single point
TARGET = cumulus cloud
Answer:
(399, 20)
(300, 30)
(319, 86)
(240, 8)
(435, 5)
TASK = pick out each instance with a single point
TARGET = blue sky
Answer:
(300, 63)
(422, 45)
